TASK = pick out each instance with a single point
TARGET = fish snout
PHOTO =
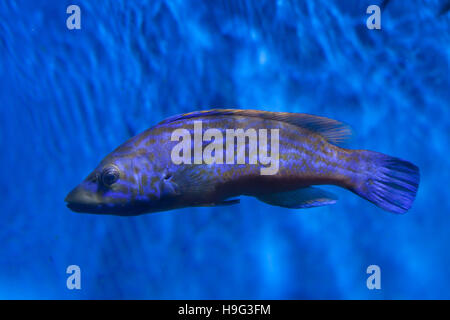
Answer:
(81, 200)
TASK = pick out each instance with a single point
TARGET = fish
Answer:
(160, 169)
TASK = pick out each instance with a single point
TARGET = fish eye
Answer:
(110, 175)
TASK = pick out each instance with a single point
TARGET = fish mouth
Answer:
(81, 201)
(93, 208)
(102, 209)
(82, 208)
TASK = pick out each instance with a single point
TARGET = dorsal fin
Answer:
(332, 130)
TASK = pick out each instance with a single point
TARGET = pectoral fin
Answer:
(169, 188)
(309, 197)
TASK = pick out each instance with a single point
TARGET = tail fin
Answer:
(390, 183)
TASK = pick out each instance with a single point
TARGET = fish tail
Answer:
(388, 182)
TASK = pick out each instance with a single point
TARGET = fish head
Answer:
(125, 186)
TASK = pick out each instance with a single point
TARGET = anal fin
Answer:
(309, 197)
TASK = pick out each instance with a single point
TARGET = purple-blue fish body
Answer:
(160, 170)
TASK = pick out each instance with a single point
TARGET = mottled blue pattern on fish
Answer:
(140, 176)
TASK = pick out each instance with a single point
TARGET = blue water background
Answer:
(68, 97)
